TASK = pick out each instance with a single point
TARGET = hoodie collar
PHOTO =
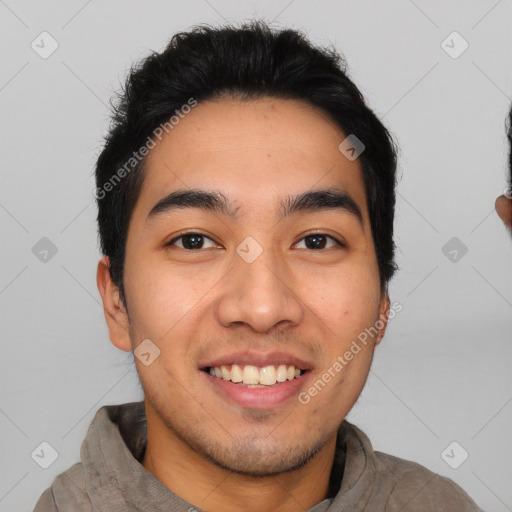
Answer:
(116, 480)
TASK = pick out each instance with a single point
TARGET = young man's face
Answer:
(212, 299)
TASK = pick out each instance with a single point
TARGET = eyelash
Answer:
(174, 240)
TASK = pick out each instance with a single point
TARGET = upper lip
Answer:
(259, 359)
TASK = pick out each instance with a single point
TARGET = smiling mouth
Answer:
(254, 376)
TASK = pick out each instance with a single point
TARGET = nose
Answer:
(260, 295)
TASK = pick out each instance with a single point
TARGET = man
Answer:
(246, 198)
(503, 203)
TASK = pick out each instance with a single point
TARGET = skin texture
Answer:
(503, 207)
(196, 305)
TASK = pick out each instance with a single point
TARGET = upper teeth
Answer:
(248, 374)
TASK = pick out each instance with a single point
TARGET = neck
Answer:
(203, 484)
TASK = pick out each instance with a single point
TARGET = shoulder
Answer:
(66, 493)
(418, 489)
(407, 486)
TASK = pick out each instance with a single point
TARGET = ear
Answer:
(503, 207)
(115, 312)
(383, 316)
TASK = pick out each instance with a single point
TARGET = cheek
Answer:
(159, 296)
(347, 302)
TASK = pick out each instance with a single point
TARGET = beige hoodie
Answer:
(111, 478)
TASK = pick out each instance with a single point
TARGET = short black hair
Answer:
(245, 62)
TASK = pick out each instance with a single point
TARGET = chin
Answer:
(248, 460)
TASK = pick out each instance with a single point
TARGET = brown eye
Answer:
(192, 241)
(319, 241)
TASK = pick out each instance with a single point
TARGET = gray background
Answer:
(442, 373)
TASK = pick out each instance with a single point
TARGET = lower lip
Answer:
(258, 398)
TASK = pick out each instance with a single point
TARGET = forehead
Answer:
(254, 150)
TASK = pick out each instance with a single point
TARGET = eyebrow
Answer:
(217, 202)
